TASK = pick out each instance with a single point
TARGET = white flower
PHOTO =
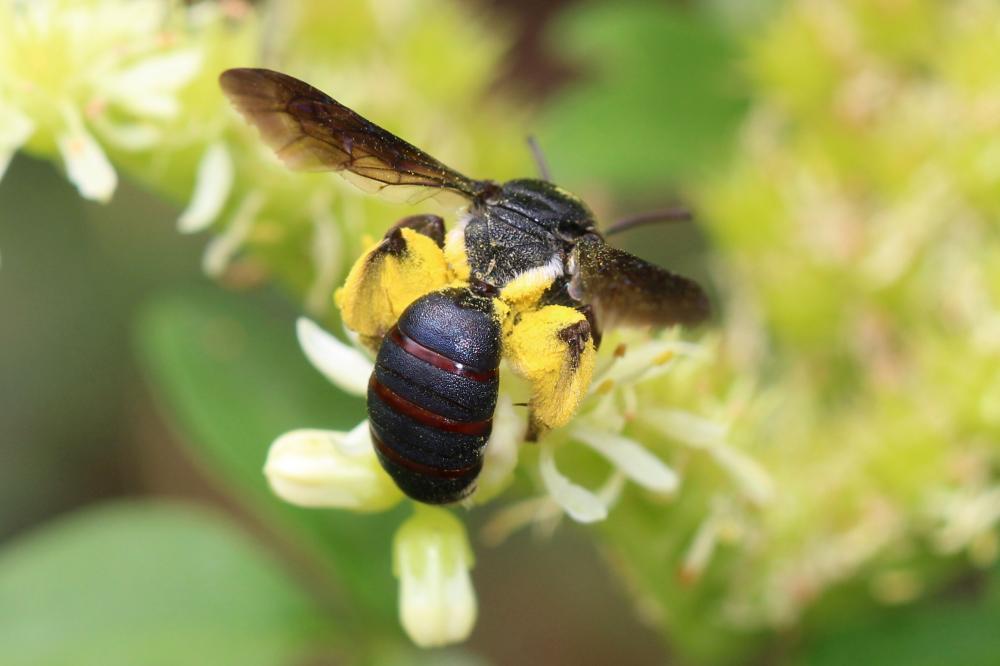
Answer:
(213, 182)
(635, 462)
(722, 525)
(579, 503)
(710, 436)
(432, 559)
(221, 250)
(612, 404)
(147, 88)
(325, 468)
(321, 468)
(79, 68)
(962, 515)
(628, 390)
(431, 552)
(87, 166)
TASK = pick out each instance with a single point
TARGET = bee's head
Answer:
(552, 207)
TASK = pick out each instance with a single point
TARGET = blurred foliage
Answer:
(857, 245)
(234, 378)
(939, 631)
(73, 273)
(844, 156)
(657, 103)
(152, 584)
(106, 86)
(154, 109)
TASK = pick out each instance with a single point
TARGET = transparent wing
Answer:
(624, 290)
(310, 131)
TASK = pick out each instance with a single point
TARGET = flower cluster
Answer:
(130, 86)
(111, 87)
(431, 551)
(70, 70)
(858, 230)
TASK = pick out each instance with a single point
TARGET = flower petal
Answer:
(127, 136)
(612, 488)
(211, 189)
(703, 433)
(630, 457)
(579, 503)
(432, 558)
(325, 468)
(220, 251)
(15, 129)
(87, 166)
(343, 365)
(644, 361)
(148, 88)
(686, 427)
(750, 474)
(700, 550)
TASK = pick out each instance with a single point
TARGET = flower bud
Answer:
(432, 558)
(326, 468)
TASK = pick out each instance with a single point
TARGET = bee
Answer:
(524, 275)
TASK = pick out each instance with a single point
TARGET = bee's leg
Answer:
(406, 264)
(431, 226)
(595, 329)
(553, 349)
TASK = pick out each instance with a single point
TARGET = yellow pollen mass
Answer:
(455, 256)
(542, 348)
(386, 279)
(526, 290)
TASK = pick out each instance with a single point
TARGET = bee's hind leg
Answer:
(431, 226)
(553, 349)
(595, 329)
(406, 264)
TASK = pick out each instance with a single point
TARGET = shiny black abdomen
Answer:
(432, 394)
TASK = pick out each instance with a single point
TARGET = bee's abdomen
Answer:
(432, 394)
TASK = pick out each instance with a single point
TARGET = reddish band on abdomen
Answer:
(414, 466)
(414, 348)
(400, 404)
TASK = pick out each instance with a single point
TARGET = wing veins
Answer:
(286, 111)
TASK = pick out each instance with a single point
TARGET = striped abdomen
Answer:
(432, 394)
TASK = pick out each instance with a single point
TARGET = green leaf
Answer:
(957, 632)
(229, 370)
(148, 584)
(659, 101)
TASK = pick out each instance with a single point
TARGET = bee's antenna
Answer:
(673, 214)
(536, 151)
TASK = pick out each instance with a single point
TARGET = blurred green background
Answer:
(138, 396)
